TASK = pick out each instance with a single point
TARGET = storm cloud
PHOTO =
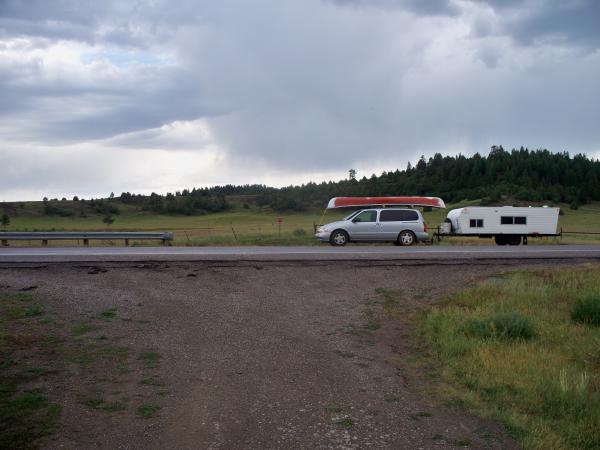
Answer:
(283, 91)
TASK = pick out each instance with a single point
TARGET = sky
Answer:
(152, 95)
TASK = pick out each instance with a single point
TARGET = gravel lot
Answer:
(283, 355)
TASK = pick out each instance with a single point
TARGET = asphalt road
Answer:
(320, 253)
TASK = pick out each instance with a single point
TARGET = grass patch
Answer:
(32, 310)
(150, 359)
(502, 325)
(387, 297)
(84, 328)
(346, 422)
(544, 385)
(108, 313)
(25, 417)
(344, 354)
(97, 401)
(586, 309)
(146, 411)
(152, 381)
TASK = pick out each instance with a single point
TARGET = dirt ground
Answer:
(187, 356)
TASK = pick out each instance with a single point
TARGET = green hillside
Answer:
(247, 214)
(241, 225)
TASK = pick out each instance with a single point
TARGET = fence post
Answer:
(86, 242)
(44, 242)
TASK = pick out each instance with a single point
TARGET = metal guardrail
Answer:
(85, 236)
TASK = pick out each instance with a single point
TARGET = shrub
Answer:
(477, 328)
(504, 325)
(298, 232)
(587, 309)
(512, 325)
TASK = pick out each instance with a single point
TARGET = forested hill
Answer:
(518, 175)
(499, 178)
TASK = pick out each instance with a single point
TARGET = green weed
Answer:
(150, 359)
(33, 310)
(146, 411)
(347, 423)
(587, 309)
(503, 325)
(84, 328)
(108, 313)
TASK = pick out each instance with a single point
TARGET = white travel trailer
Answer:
(506, 224)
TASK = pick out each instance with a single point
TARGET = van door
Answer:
(393, 221)
(364, 226)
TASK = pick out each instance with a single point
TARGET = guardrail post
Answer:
(126, 242)
(45, 242)
(86, 242)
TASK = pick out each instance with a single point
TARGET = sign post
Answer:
(279, 222)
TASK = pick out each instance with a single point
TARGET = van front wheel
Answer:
(407, 238)
(338, 238)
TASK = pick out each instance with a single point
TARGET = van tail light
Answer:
(424, 226)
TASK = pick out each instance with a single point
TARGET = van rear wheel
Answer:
(407, 237)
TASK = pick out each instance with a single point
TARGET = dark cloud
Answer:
(570, 22)
(429, 7)
(301, 86)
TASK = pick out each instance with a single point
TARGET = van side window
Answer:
(366, 216)
(398, 215)
(476, 223)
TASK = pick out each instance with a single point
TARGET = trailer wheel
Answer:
(514, 240)
(500, 239)
(407, 237)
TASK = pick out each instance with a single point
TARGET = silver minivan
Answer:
(402, 226)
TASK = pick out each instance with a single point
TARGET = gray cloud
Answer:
(430, 7)
(570, 22)
(300, 86)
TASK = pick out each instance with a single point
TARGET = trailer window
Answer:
(520, 220)
(512, 220)
(476, 223)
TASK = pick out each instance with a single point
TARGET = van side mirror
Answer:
(356, 219)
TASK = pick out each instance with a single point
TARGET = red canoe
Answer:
(348, 202)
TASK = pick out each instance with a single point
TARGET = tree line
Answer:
(520, 174)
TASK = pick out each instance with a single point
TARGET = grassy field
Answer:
(525, 348)
(253, 226)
